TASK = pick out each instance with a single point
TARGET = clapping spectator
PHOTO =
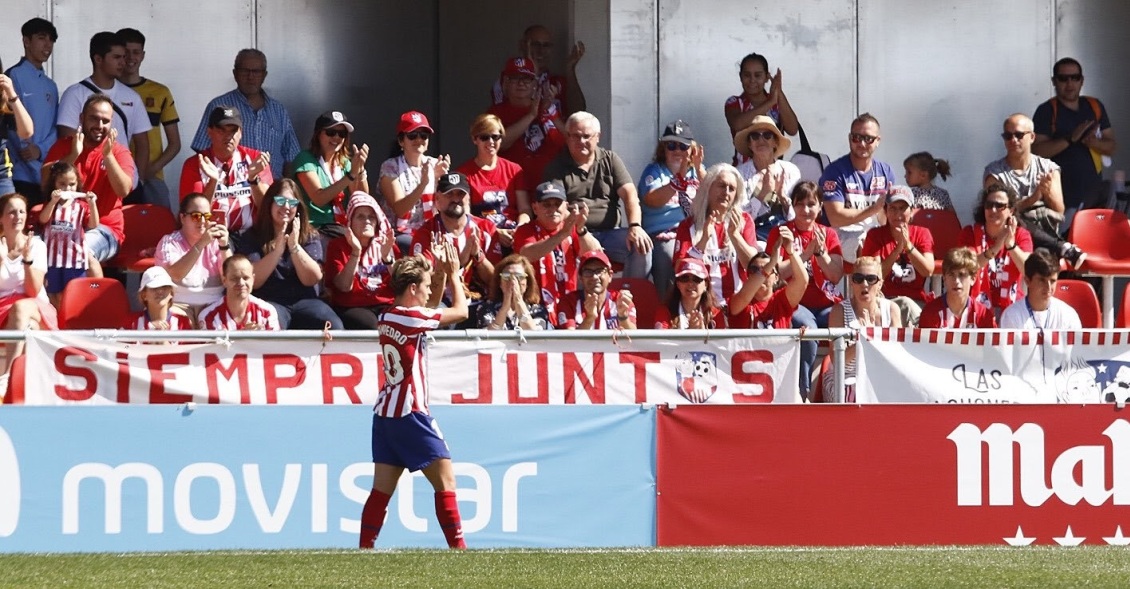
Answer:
(498, 185)
(66, 217)
(329, 170)
(594, 305)
(769, 181)
(755, 100)
(907, 254)
(718, 232)
(514, 298)
(358, 265)
(23, 266)
(194, 255)
(865, 307)
(156, 296)
(287, 257)
(668, 186)
(238, 309)
(408, 178)
(534, 132)
(1002, 246)
(12, 115)
(692, 304)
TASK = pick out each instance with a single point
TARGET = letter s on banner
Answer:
(9, 486)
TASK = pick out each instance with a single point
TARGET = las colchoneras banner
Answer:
(993, 366)
(66, 368)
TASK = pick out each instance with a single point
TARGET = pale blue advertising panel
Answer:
(170, 478)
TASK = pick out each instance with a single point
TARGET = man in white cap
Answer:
(906, 253)
(156, 295)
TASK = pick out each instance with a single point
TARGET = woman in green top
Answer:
(330, 170)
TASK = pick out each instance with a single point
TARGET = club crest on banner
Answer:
(696, 375)
(1094, 381)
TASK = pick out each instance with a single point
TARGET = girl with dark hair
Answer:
(1001, 245)
(921, 169)
(756, 100)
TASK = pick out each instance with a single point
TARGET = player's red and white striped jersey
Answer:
(403, 332)
(66, 235)
(140, 322)
(259, 312)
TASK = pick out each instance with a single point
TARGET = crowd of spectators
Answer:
(541, 218)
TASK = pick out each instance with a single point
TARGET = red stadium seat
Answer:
(1104, 234)
(14, 395)
(1081, 296)
(33, 218)
(1124, 309)
(644, 295)
(944, 227)
(145, 225)
(91, 303)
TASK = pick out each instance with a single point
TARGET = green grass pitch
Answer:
(1029, 568)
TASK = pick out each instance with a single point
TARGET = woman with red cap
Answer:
(692, 304)
(408, 177)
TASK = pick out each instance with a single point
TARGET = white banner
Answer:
(66, 369)
(721, 370)
(993, 366)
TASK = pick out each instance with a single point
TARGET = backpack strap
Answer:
(117, 109)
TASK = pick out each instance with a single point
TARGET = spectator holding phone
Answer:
(66, 218)
(194, 255)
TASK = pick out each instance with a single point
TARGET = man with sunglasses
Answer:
(855, 186)
(533, 130)
(906, 253)
(269, 128)
(1036, 181)
(1074, 131)
(234, 177)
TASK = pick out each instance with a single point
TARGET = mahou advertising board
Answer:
(894, 474)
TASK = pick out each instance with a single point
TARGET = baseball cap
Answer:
(550, 189)
(155, 277)
(332, 118)
(519, 66)
(453, 181)
(692, 266)
(413, 120)
(678, 131)
(224, 115)
(900, 193)
(593, 255)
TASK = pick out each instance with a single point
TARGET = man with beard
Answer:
(106, 169)
(554, 242)
(594, 306)
(232, 176)
(108, 60)
(474, 238)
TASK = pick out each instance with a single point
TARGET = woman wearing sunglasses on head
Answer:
(515, 299)
(286, 257)
(498, 185)
(331, 170)
(667, 188)
(1001, 245)
(194, 255)
(864, 307)
(408, 178)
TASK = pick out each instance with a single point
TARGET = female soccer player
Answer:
(404, 434)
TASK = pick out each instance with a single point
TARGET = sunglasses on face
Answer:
(1062, 78)
(860, 278)
(489, 137)
(676, 146)
(996, 206)
(509, 275)
(689, 278)
(417, 135)
(336, 133)
(1017, 135)
(199, 217)
(767, 135)
(861, 138)
(286, 201)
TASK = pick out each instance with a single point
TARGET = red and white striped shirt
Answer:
(403, 344)
(727, 274)
(218, 317)
(233, 203)
(557, 270)
(141, 322)
(66, 234)
(571, 313)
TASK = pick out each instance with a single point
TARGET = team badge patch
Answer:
(696, 375)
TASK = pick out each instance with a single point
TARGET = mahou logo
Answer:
(9, 486)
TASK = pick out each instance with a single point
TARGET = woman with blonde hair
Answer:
(865, 307)
(498, 185)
